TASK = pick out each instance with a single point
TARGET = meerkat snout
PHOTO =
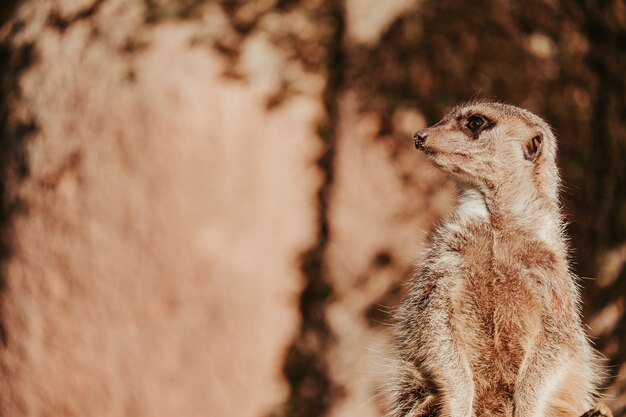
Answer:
(420, 138)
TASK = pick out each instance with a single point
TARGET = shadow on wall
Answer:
(13, 134)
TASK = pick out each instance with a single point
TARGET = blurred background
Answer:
(210, 208)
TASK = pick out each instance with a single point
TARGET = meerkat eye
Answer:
(475, 122)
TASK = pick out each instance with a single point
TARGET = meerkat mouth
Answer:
(446, 161)
(437, 153)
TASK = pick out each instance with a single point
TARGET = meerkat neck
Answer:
(523, 208)
(513, 209)
(471, 204)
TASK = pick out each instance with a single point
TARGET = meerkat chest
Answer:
(497, 309)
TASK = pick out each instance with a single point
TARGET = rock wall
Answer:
(162, 208)
(210, 207)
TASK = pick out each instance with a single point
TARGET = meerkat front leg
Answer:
(554, 380)
(530, 393)
(434, 364)
(456, 385)
(540, 376)
(449, 373)
(446, 361)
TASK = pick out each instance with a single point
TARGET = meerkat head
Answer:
(489, 145)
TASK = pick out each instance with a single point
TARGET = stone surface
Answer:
(210, 207)
(154, 271)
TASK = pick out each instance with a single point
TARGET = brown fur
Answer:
(491, 326)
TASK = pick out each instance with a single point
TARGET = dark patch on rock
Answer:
(313, 392)
(14, 60)
(382, 259)
(61, 23)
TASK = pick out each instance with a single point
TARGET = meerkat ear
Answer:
(532, 148)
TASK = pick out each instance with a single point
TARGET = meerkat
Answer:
(491, 325)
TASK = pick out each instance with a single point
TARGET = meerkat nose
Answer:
(420, 138)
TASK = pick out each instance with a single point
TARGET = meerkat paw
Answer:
(600, 410)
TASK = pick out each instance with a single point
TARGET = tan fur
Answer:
(491, 326)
